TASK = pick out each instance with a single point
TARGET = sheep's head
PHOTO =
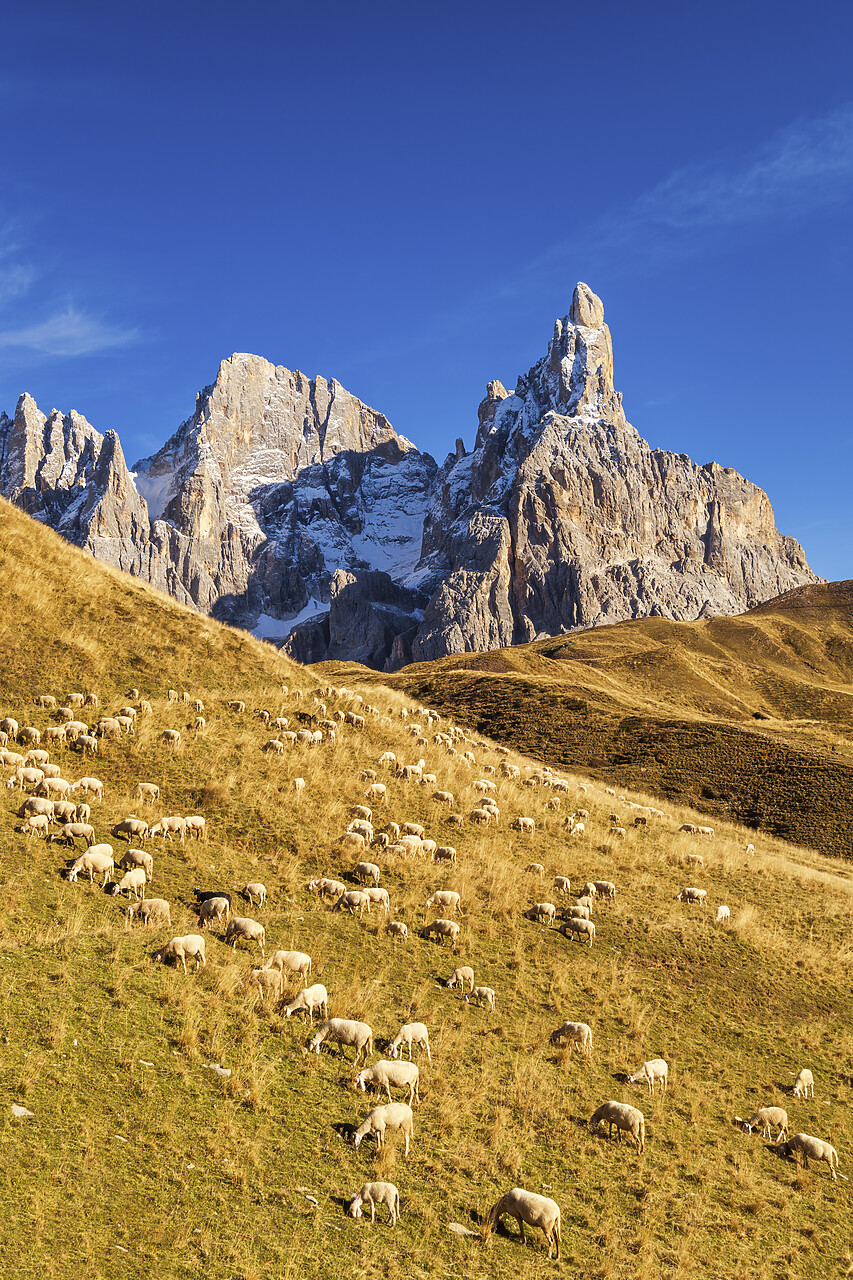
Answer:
(354, 1209)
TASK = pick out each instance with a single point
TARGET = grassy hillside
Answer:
(749, 718)
(139, 1160)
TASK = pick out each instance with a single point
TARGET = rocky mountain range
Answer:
(286, 506)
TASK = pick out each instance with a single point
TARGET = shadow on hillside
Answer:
(345, 1131)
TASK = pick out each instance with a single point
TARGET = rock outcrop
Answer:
(287, 506)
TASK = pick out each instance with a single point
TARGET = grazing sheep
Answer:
(803, 1083)
(195, 826)
(353, 900)
(398, 929)
(131, 829)
(765, 1118)
(605, 889)
(138, 858)
(171, 738)
(652, 1071)
(394, 1115)
(444, 898)
(481, 996)
(544, 912)
(444, 853)
(750, 849)
(147, 791)
(309, 999)
(444, 797)
(562, 885)
(326, 888)
(379, 898)
(534, 869)
(694, 860)
(375, 1193)
(410, 1033)
(482, 817)
(688, 827)
(269, 982)
(355, 841)
(531, 1208)
(580, 911)
(36, 824)
(174, 825)
(255, 890)
(723, 915)
(216, 908)
(97, 858)
(90, 786)
(149, 911)
(705, 831)
(132, 881)
(344, 1031)
(578, 929)
(442, 929)
(691, 895)
(366, 871)
(578, 1034)
(625, 1118)
(527, 825)
(247, 929)
(377, 793)
(460, 977)
(189, 947)
(39, 804)
(803, 1144)
(73, 831)
(292, 962)
(202, 895)
(383, 1074)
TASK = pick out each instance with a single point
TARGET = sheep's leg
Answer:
(521, 1228)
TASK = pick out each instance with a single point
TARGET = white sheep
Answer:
(344, 1031)
(217, 908)
(444, 853)
(410, 1033)
(173, 825)
(189, 947)
(460, 977)
(132, 881)
(578, 929)
(269, 982)
(534, 869)
(605, 889)
(723, 914)
(444, 898)
(149, 911)
(481, 996)
(803, 1144)
(394, 1115)
(326, 888)
(366, 871)
(247, 929)
(309, 999)
(384, 1074)
(705, 831)
(255, 890)
(578, 1034)
(171, 738)
(527, 825)
(562, 885)
(97, 858)
(578, 911)
(375, 1193)
(353, 900)
(765, 1118)
(397, 929)
(442, 929)
(292, 961)
(803, 1083)
(544, 912)
(694, 860)
(627, 1119)
(652, 1071)
(691, 895)
(35, 824)
(195, 826)
(147, 792)
(531, 1208)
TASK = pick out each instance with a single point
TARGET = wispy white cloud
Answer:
(801, 170)
(70, 332)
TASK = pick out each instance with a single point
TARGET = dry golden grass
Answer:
(214, 1176)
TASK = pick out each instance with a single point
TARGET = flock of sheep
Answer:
(50, 809)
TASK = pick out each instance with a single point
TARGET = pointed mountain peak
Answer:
(587, 308)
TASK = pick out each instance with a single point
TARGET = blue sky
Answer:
(403, 197)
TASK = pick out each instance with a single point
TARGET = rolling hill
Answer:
(141, 1160)
(749, 718)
